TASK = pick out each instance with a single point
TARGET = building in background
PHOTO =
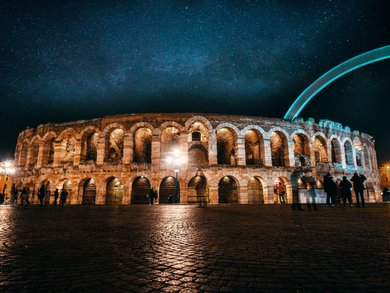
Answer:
(384, 172)
(6, 172)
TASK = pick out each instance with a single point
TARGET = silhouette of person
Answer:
(345, 187)
(358, 187)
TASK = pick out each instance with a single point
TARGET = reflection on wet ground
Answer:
(189, 249)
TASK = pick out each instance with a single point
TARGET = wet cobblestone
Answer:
(187, 249)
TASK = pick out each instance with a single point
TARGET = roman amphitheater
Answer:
(225, 158)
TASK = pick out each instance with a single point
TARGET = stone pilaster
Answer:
(270, 195)
(184, 150)
(241, 160)
(128, 145)
(58, 153)
(100, 150)
(213, 194)
(213, 149)
(290, 155)
(156, 152)
(343, 160)
(77, 153)
(243, 195)
(267, 152)
(40, 155)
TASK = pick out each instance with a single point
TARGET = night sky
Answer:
(72, 60)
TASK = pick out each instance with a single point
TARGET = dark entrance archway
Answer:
(89, 192)
(228, 190)
(255, 191)
(115, 192)
(140, 190)
(167, 189)
(198, 191)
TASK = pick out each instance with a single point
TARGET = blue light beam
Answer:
(333, 74)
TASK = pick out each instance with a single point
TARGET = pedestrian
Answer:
(345, 187)
(2, 198)
(41, 194)
(23, 196)
(330, 187)
(281, 191)
(385, 194)
(63, 196)
(151, 196)
(47, 197)
(56, 195)
(358, 187)
(27, 196)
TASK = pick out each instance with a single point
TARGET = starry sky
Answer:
(70, 60)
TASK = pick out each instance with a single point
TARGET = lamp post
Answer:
(176, 159)
(7, 169)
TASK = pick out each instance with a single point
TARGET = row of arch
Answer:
(198, 190)
(203, 145)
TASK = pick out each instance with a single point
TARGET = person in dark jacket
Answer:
(330, 187)
(63, 196)
(345, 187)
(56, 195)
(358, 187)
(41, 194)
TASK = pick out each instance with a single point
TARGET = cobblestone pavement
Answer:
(184, 248)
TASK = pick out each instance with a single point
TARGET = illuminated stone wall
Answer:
(234, 159)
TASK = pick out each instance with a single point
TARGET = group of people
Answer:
(344, 190)
(44, 195)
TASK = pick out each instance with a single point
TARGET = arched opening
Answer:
(226, 147)
(367, 157)
(359, 152)
(282, 193)
(348, 153)
(167, 189)
(67, 186)
(198, 191)
(198, 156)
(320, 150)
(34, 151)
(143, 146)
(140, 190)
(89, 146)
(114, 147)
(279, 149)
(89, 192)
(228, 190)
(48, 151)
(170, 140)
(68, 149)
(336, 151)
(115, 191)
(301, 150)
(254, 148)
(255, 191)
(196, 136)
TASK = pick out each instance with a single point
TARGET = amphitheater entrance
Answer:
(89, 192)
(114, 192)
(198, 191)
(255, 191)
(140, 191)
(228, 190)
(167, 189)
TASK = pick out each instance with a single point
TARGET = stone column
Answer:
(58, 152)
(271, 196)
(156, 152)
(243, 194)
(127, 149)
(312, 155)
(291, 159)
(40, 154)
(213, 194)
(241, 160)
(184, 150)
(213, 149)
(100, 150)
(77, 153)
(354, 157)
(183, 188)
(267, 152)
(342, 154)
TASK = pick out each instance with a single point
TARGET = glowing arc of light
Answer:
(333, 74)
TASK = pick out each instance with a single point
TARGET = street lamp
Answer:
(176, 159)
(7, 169)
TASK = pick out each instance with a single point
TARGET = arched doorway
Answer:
(167, 189)
(279, 149)
(140, 190)
(65, 185)
(228, 190)
(280, 188)
(198, 191)
(115, 192)
(89, 192)
(255, 191)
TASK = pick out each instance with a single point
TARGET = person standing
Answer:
(281, 191)
(56, 195)
(63, 196)
(345, 187)
(151, 196)
(358, 187)
(47, 197)
(330, 187)
(41, 194)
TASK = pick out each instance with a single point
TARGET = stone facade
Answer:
(227, 158)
